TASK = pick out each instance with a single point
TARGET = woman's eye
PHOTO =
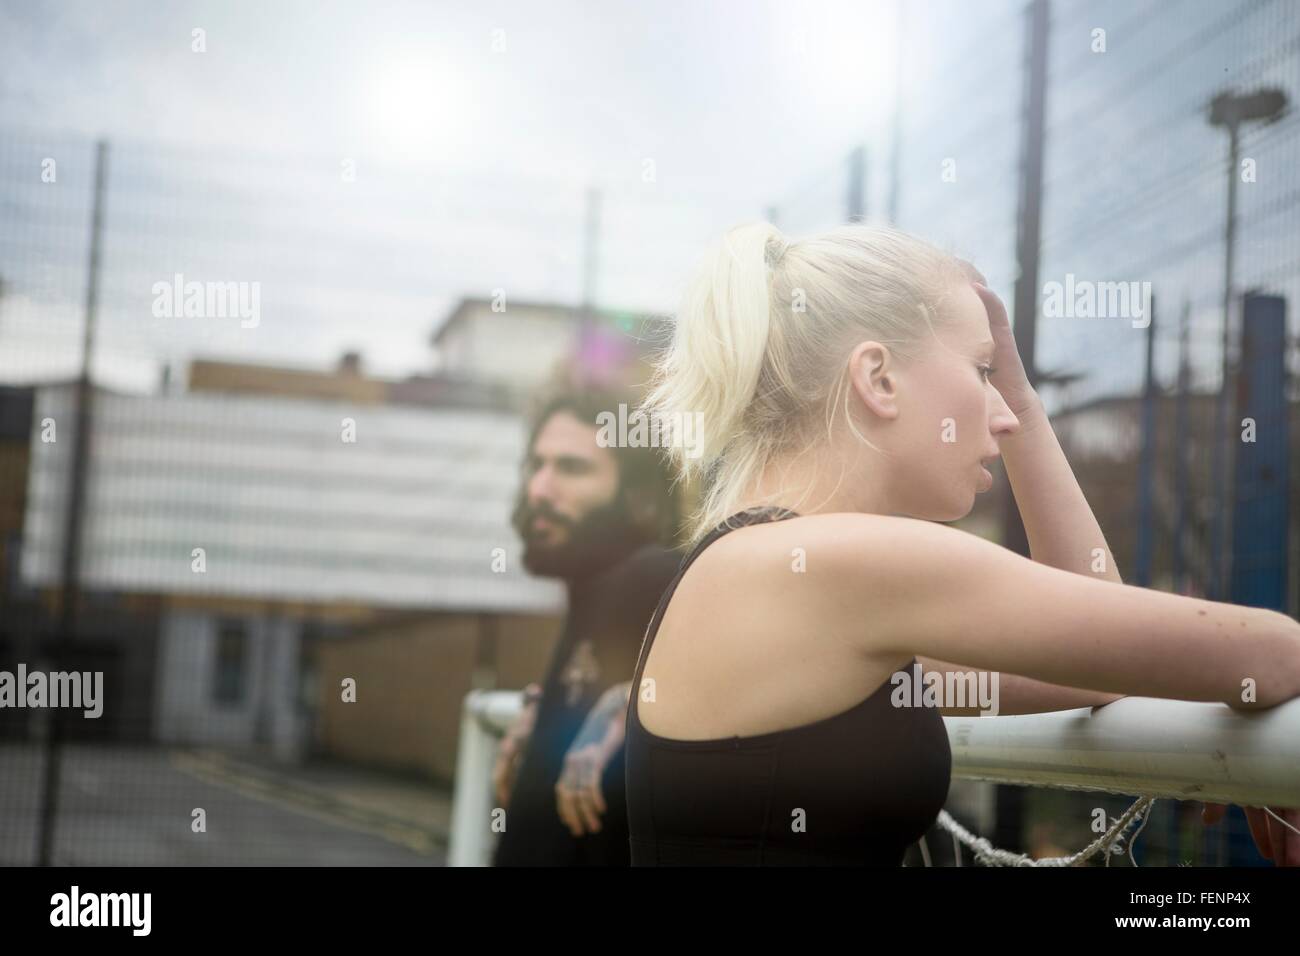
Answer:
(986, 371)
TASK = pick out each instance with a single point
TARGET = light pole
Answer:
(1230, 110)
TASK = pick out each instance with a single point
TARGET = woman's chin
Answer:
(952, 510)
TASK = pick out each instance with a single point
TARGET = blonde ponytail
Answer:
(760, 331)
(713, 364)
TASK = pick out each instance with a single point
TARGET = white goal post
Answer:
(1139, 746)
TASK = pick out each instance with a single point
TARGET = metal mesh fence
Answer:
(1134, 190)
(261, 522)
(265, 523)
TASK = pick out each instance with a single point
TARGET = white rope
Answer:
(925, 852)
(1281, 821)
(989, 855)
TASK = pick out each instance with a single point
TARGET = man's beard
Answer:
(596, 540)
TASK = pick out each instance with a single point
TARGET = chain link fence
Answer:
(1134, 189)
(283, 555)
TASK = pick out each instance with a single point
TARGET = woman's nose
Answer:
(1003, 420)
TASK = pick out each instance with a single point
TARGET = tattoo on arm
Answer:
(611, 706)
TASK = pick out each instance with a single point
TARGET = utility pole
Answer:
(1230, 111)
(70, 591)
(1180, 453)
(1010, 800)
(896, 136)
(1146, 460)
(856, 200)
(587, 312)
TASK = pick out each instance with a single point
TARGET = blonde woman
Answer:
(851, 389)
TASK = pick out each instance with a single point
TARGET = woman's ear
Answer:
(873, 374)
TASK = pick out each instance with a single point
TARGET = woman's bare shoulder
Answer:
(833, 537)
(895, 586)
(808, 559)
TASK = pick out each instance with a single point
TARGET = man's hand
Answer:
(1274, 841)
(511, 751)
(578, 798)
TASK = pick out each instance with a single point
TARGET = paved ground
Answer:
(133, 806)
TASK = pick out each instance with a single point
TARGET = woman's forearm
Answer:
(1059, 523)
(1016, 693)
(1062, 532)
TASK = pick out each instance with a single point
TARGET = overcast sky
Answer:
(513, 108)
(564, 88)
(475, 129)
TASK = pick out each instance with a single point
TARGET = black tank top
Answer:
(853, 789)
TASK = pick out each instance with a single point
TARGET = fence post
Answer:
(484, 717)
(70, 589)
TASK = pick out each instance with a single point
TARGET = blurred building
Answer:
(232, 530)
(523, 346)
(1103, 439)
(254, 540)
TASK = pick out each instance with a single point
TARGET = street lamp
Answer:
(1230, 110)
